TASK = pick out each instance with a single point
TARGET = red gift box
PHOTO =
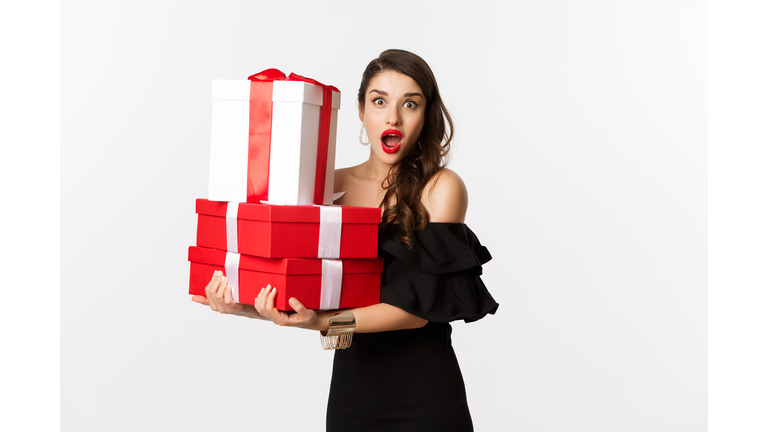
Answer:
(316, 283)
(274, 231)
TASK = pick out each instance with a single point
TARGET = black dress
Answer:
(409, 380)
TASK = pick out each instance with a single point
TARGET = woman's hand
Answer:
(304, 318)
(218, 295)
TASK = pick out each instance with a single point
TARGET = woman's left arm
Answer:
(370, 319)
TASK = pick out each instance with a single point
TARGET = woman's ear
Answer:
(360, 110)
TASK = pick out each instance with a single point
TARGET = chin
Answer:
(390, 158)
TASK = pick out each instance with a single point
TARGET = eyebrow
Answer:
(382, 92)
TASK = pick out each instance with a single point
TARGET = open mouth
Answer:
(391, 140)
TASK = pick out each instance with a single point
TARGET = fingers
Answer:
(271, 299)
(264, 303)
(214, 291)
(298, 307)
(221, 288)
(228, 299)
(265, 306)
(210, 289)
(214, 281)
(200, 299)
(303, 315)
(261, 300)
(258, 302)
(219, 298)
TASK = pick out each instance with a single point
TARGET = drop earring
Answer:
(363, 132)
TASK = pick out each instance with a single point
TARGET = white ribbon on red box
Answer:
(330, 288)
(329, 242)
(329, 246)
(232, 267)
(232, 263)
(232, 208)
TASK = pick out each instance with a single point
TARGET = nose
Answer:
(393, 116)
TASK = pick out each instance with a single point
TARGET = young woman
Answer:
(400, 372)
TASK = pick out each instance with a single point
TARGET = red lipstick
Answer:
(391, 140)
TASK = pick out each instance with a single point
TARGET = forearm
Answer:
(376, 318)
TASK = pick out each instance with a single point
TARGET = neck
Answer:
(374, 168)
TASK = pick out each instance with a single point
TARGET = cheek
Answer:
(371, 113)
(418, 128)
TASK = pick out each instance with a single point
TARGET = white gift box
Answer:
(265, 148)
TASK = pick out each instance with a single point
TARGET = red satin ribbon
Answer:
(260, 129)
(259, 133)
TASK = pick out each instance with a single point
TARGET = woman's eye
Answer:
(378, 101)
(410, 104)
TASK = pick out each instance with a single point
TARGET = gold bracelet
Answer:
(341, 327)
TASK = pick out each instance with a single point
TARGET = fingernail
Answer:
(292, 301)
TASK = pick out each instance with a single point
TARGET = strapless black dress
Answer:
(409, 380)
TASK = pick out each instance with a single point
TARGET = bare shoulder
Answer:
(446, 197)
(340, 177)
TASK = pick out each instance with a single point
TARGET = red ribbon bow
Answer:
(268, 75)
(297, 77)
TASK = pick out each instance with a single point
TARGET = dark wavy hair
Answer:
(406, 180)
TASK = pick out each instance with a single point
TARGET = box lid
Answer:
(280, 213)
(282, 91)
(288, 266)
(297, 91)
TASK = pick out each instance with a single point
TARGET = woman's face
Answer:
(393, 115)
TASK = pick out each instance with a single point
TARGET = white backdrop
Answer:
(580, 133)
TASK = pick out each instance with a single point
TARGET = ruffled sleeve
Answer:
(439, 279)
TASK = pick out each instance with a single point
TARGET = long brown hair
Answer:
(406, 183)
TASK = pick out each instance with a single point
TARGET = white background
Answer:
(580, 132)
(587, 151)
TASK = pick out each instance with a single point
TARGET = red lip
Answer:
(393, 132)
(395, 148)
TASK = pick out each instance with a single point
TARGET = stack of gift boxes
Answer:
(269, 217)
